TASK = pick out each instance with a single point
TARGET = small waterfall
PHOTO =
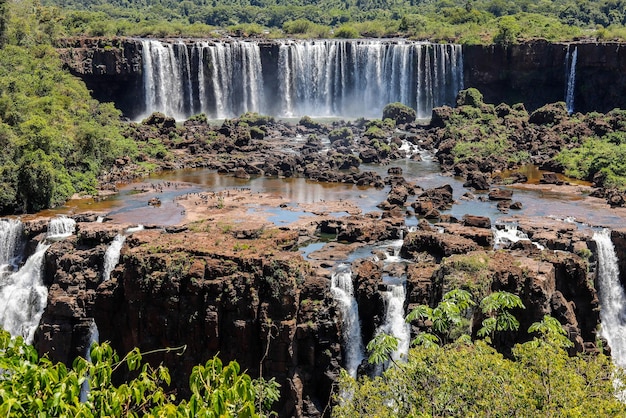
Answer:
(612, 297)
(570, 73)
(395, 324)
(506, 234)
(112, 256)
(94, 337)
(23, 297)
(342, 290)
(11, 231)
(60, 228)
(318, 78)
(23, 294)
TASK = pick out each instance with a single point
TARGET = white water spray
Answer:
(317, 78)
(23, 297)
(612, 297)
(23, 294)
(112, 256)
(94, 337)
(60, 228)
(11, 232)
(395, 324)
(506, 234)
(570, 65)
(342, 290)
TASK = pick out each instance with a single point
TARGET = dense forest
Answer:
(55, 138)
(468, 21)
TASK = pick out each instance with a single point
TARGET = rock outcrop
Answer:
(250, 300)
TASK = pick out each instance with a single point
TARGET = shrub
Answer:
(400, 113)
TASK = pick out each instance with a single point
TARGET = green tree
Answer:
(508, 31)
(35, 387)
(467, 378)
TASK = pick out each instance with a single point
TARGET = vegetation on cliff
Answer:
(32, 386)
(475, 135)
(471, 378)
(55, 139)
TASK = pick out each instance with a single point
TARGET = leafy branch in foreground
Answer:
(32, 386)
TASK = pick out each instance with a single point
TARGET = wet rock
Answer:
(440, 197)
(500, 194)
(504, 205)
(477, 180)
(400, 113)
(398, 195)
(549, 114)
(425, 209)
(435, 243)
(241, 173)
(160, 120)
(550, 178)
(477, 221)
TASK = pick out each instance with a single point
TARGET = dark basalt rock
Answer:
(500, 194)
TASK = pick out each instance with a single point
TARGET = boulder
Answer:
(500, 194)
(477, 221)
(400, 113)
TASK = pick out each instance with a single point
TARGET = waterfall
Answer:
(612, 298)
(23, 297)
(23, 294)
(318, 78)
(394, 323)
(112, 256)
(342, 290)
(60, 228)
(11, 231)
(94, 337)
(507, 233)
(570, 73)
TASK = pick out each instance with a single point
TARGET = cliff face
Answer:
(247, 294)
(535, 73)
(111, 69)
(254, 301)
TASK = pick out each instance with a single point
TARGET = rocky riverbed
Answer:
(218, 274)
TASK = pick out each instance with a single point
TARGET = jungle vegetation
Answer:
(55, 138)
(464, 21)
(465, 377)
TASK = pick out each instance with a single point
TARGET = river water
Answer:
(130, 205)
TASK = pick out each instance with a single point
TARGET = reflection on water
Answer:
(131, 206)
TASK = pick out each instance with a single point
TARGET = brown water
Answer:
(131, 204)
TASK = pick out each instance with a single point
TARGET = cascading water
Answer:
(570, 67)
(342, 290)
(23, 297)
(60, 228)
(11, 231)
(395, 324)
(316, 78)
(112, 256)
(94, 337)
(506, 234)
(612, 297)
